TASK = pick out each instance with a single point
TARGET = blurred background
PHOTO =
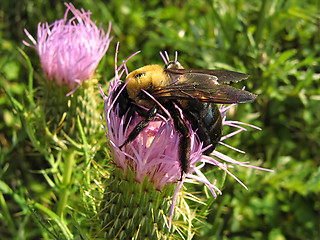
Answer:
(276, 42)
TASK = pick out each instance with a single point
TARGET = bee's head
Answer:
(146, 78)
(174, 65)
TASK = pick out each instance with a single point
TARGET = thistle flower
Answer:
(70, 50)
(154, 152)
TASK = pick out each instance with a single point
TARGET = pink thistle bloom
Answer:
(70, 50)
(154, 152)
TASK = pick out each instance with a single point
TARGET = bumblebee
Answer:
(195, 91)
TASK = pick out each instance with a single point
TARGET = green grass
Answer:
(276, 42)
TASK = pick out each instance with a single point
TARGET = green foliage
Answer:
(276, 42)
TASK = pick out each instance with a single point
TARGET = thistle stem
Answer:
(261, 21)
(66, 180)
(6, 214)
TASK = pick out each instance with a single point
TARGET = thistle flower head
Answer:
(154, 152)
(70, 50)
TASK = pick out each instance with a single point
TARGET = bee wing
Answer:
(223, 76)
(202, 86)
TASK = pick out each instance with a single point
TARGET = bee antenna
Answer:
(163, 58)
(176, 56)
(167, 56)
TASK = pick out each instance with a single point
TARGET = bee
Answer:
(195, 91)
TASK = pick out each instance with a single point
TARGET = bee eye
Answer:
(139, 75)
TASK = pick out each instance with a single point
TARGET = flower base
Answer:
(134, 210)
(61, 111)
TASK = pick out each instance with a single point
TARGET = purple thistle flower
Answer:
(70, 50)
(154, 152)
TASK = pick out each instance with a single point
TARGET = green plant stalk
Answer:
(261, 22)
(6, 214)
(224, 28)
(30, 77)
(63, 227)
(85, 147)
(66, 180)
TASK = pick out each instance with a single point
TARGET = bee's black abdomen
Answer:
(205, 118)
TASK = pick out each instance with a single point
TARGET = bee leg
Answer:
(184, 152)
(141, 125)
(131, 113)
(184, 141)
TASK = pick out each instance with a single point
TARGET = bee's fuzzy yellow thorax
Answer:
(147, 77)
